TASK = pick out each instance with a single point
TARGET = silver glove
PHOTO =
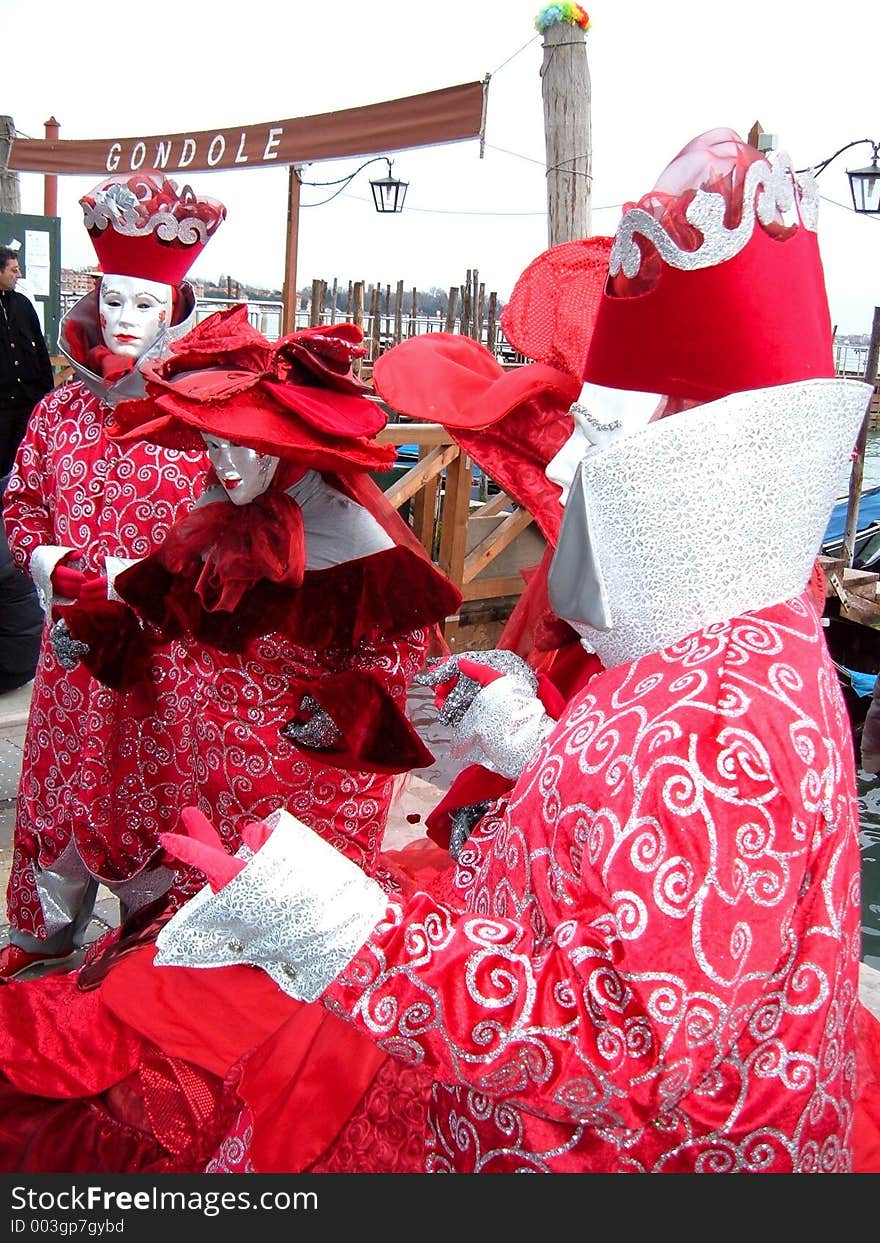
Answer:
(319, 731)
(466, 689)
(299, 910)
(68, 650)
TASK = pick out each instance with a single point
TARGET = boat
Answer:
(855, 652)
(866, 546)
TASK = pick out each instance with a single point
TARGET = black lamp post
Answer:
(864, 183)
(388, 192)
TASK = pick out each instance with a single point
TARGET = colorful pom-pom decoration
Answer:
(571, 13)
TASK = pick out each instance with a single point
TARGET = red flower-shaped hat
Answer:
(297, 399)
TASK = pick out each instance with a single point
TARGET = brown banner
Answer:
(450, 115)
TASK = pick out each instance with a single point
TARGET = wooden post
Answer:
(289, 293)
(398, 313)
(319, 292)
(10, 193)
(565, 89)
(450, 310)
(413, 315)
(858, 466)
(356, 304)
(492, 322)
(465, 326)
(456, 505)
(375, 322)
(333, 300)
(356, 315)
(50, 180)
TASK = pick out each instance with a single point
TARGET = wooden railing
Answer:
(439, 486)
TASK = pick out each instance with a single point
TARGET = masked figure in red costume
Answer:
(100, 781)
(306, 606)
(514, 424)
(653, 961)
(286, 578)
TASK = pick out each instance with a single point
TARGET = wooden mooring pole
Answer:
(858, 467)
(10, 195)
(565, 89)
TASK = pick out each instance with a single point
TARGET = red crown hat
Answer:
(141, 226)
(297, 399)
(715, 281)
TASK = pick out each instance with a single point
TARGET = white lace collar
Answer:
(703, 515)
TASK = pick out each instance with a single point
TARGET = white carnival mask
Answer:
(244, 474)
(133, 313)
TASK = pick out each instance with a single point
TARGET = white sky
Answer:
(661, 73)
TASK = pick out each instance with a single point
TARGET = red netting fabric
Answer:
(551, 311)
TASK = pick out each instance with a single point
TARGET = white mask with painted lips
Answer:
(133, 313)
(243, 473)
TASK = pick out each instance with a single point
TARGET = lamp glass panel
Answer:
(388, 194)
(865, 187)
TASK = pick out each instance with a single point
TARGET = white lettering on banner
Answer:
(216, 149)
(120, 159)
(271, 142)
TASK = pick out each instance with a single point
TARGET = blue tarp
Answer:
(862, 683)
(869, 511)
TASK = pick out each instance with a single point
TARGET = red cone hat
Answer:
(716, 274)
(141, 226)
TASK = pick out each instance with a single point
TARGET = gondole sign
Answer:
(452, 114)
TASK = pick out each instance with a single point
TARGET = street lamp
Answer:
(864, 183)
(388, 192)
(865, 186)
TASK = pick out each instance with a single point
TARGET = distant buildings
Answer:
(76, 282)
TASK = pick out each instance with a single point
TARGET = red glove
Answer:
(93, 589)
(201, 846)
(67, 582)
(73, 584)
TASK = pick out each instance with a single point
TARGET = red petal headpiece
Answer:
(296, 399)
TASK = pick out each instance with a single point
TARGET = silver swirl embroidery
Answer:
(770, 186)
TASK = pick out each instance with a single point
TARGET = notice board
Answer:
(38, 241)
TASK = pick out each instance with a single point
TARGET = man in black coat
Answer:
(26, 374)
